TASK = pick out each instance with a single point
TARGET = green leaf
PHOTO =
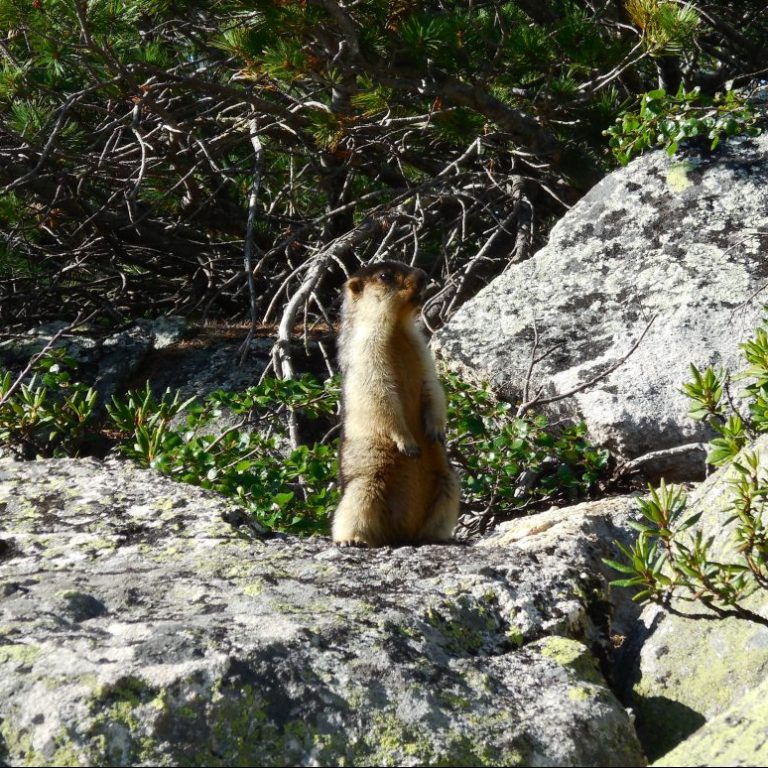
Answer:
(617, 566)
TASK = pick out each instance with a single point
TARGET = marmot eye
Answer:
(385, 277)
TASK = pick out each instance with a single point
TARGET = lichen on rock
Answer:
(160, 634)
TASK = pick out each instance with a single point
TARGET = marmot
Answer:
(397, 484)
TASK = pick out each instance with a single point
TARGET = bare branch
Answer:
(537, 400)
(258, 168)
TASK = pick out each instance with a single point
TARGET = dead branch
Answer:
(538, 400)
(258, 168)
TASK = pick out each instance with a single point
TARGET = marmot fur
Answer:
(397, 485)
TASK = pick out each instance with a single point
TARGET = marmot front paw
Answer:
(410, 448)
(351, 543)
(434, 429)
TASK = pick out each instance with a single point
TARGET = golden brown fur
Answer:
(397, 484)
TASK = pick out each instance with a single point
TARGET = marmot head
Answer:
(386, 287)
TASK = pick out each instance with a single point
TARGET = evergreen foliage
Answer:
(135, 137)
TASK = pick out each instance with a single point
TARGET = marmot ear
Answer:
(355, 285)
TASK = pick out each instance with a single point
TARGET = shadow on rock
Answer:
(663, 723)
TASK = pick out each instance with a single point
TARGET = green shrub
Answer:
(666, 120)
(507, 464)
(672, 556)
(510, 463)
(289, 490)
(49, 414)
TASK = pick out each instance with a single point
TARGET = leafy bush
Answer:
(48, 415)
(289, 490)
(508, 464)
(672, 557)
(666, 120)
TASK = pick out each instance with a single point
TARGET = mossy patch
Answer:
(123, 712)
(20, 748)
(253, 589)
(468, 626)
(573, 655)
(678, 176)
(239, 731)
(516, 636)
(18, 653)
(390, 742)
(579, 693)
(98, 545)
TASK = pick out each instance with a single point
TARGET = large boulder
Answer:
(698, 684)
(148, 623)
(680, 241)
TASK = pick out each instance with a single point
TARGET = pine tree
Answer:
(136, 137)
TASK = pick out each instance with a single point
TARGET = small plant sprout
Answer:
(673, 559)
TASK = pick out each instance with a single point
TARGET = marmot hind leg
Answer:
(361, 515)
(444, 511)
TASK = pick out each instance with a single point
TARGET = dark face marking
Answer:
(394, 275)
(394, 268)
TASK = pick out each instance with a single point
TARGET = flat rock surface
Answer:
(144, 622)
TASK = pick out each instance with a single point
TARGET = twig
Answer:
(258, 167)
(527, 386)
(535, 360)
(538, 400)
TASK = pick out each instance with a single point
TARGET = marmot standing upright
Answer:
(397, 484)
